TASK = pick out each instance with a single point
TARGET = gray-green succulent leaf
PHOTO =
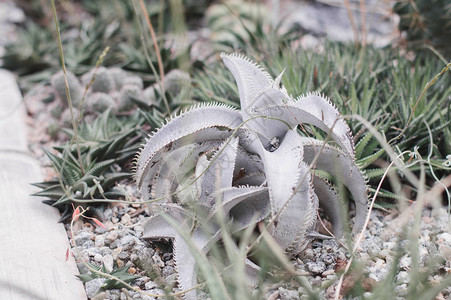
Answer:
(213, 164)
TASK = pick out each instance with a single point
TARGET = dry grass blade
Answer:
(353, 24)
(157, 52)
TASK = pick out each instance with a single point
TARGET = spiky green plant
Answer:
(91, 182)
(107, 137)
(120, 273)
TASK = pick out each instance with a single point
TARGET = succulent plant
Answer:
(175, 83)
(108, 140)
(58, 83)
(112, 89)
(250, 166)
(121, 273)
(76, 182)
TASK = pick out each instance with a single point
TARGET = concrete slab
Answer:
(12, 113)
(32, 244)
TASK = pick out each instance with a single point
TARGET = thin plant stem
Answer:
(69, 99)
(363, 23)
(353, 24)
(83, 98)
(157, 52)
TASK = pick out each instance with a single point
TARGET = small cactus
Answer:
(127, 93)
(66, 117)
(119, 76)
(174, 82)
(111, 89)
(99, 102)
(104, 81)
(132, 80)
(59, 85)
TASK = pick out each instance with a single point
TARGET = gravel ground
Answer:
(121, 243)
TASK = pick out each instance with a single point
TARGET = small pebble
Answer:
(316, 267)
(108, 262)
(126, 219)
(120, 263)
(150, 285)
(99, 241)
(111, 236)
(157, 260)
(83, 237)
(92, 287)
(98, 257)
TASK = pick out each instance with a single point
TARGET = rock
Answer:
(127, 242)
(168, 270)
(445, 252)
(404, 262)
(123, 296)
(83, 237)
(93, 286)
(105, 250)
(330, 245)
(445, 237)
(142, 281)
(100, 296)
(99, 241)
(145, 258)
(116, 252)
(134, 258)
(126, 219)
(328, 258)
(93, 251)
(286, 294)
(328, 272)
(111, 237)
(113, 294)
(138, 230)
(115, 244)
(124, 255)
(88, 244)
(82, 268)
(108, 262)
(384, 253)
(157, 260)
(120, 263)
(316, 267)
(98, 257)
(150, 285)
(402, 277)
